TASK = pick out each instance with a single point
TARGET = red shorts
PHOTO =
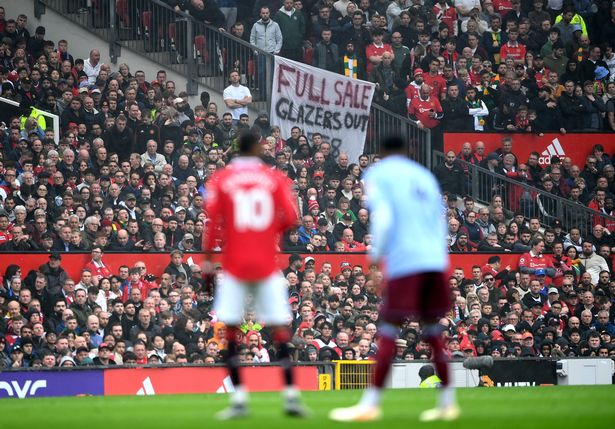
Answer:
(423, 295)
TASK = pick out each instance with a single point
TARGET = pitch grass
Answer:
(499, 408)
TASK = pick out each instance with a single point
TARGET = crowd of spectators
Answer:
(128, 175)
(463, 65)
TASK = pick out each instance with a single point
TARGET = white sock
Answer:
(371, 397)
(291, 392)
(239, 396)
(447, 397)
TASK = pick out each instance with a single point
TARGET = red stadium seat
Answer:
(146, 20)
(201, 54)
(121, 8)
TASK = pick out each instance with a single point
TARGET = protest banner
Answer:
(319, 101)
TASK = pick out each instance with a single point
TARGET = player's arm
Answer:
(289, 211)
(212, 207)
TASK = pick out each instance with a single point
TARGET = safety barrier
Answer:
(9, 108)
(353, 374)
(518, 196)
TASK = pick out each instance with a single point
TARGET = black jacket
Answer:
(456, 115)
(572, 111)
(119, 142)
(548, 118)
(451, 179)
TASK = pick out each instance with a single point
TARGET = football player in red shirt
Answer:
(249, 206)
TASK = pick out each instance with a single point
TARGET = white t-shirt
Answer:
(236, 93)
(406, 217)
(91, 71)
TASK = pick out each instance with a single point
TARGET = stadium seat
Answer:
(176, 57)
(201, 54)
(146, 22)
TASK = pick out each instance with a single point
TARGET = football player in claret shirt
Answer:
(250, 206)
(415, 263)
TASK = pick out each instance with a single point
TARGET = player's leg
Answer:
(435, 303)
(228, 305)
(273, 309)
(398, 303)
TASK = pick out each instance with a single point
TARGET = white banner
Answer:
(321, 101)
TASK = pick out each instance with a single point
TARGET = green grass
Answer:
(516, 407)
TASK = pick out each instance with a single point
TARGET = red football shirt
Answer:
(372, 50)
(249, 205)
(516, 52)
(420, 108)
(437, 84)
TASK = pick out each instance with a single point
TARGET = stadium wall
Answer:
(197, 379)
(157, 262)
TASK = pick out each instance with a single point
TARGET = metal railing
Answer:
(206, 55)
(383, 123)
(55, 119)
(482, 185)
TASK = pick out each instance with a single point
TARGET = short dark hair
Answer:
(247, 142)
(393, 143)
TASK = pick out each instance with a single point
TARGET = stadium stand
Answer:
(128, 176)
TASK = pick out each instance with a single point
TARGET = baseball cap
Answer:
(540, 272)
(130, 197)
(293, 300)
(309, 259)
(330, 205)
(345, 265)
(318, 174)
(83, 89)
(553, 290)
(418, 71)
(178, 100)
(509, 328)
(104, 346)
(527, 335)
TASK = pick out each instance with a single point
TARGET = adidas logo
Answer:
(147, 389)
(555, 148)
(227, 386)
